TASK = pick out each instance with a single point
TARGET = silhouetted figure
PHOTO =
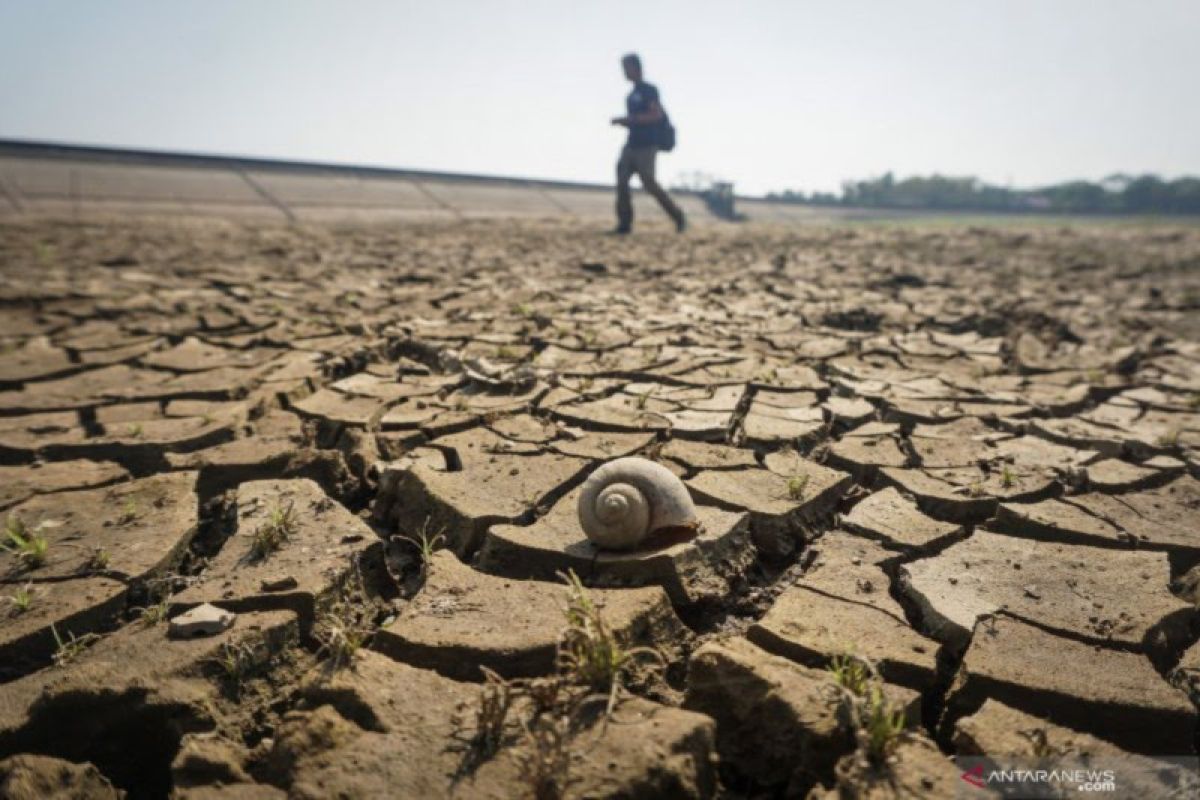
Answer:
(649, 131)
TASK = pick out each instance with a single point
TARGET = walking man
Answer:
(649, 131)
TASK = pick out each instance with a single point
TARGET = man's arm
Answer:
(648, 117)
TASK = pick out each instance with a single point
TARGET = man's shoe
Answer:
(619, 231)
(681, 224)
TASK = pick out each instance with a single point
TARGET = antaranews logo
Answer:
(974, 776)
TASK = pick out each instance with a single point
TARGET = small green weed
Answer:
(98, 560)
(129, 511)
(426, 544)
(590, 653)
(796, 486)
(67, 650)
(1008, 478)
(30, 548)
(881, 725)
(21, 599)
(877, 723)
(152, 615)
(851, 673)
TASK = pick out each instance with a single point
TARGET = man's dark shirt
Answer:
(638, 102)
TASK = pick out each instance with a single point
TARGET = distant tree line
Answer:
(1117, 194)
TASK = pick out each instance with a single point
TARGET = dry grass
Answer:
(280, 526)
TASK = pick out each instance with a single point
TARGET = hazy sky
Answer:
(771, 95)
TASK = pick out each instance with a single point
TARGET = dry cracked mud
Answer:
(946, 474)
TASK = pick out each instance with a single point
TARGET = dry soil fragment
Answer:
(1117, 696)
(778, 723)
(962, 443)
(36, 359)
(1084, 592)
(1001, 733)
(490, 488)
(770, 425)
(782, 509)
(387, 729)
(699, 569)
(74, 607)
(852, 568)
(289, 533)
(619, 412)
(1162, 518)
(21, 482)
(33, 777)
(603, 445)
(811, 628)
(128, 530)
(941, 499)
(700, 455)
(340, 409)
(915, 768)
(134, 687)
(193, 355)
(863, 451)
(462, 619)
(1113, 475)
(896, 520)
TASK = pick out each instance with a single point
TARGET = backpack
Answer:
(666, 135)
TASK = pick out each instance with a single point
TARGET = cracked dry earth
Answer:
(967, 456)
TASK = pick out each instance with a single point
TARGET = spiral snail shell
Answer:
(627, 499)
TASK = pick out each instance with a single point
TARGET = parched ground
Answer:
(952, 470)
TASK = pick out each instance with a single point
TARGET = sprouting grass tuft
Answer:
(236, 662)
(590, 653)
(882, 725)
(340, 640)
(67, 650)
(1008, 478)
(280, 526)
(30, 548)
(151, 615)
(98, 560)
(426, 543)
(21, 599)
(129, 511)
(878, 724)
(796, 486)
(851, 673)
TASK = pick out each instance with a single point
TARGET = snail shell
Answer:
(626, 500)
